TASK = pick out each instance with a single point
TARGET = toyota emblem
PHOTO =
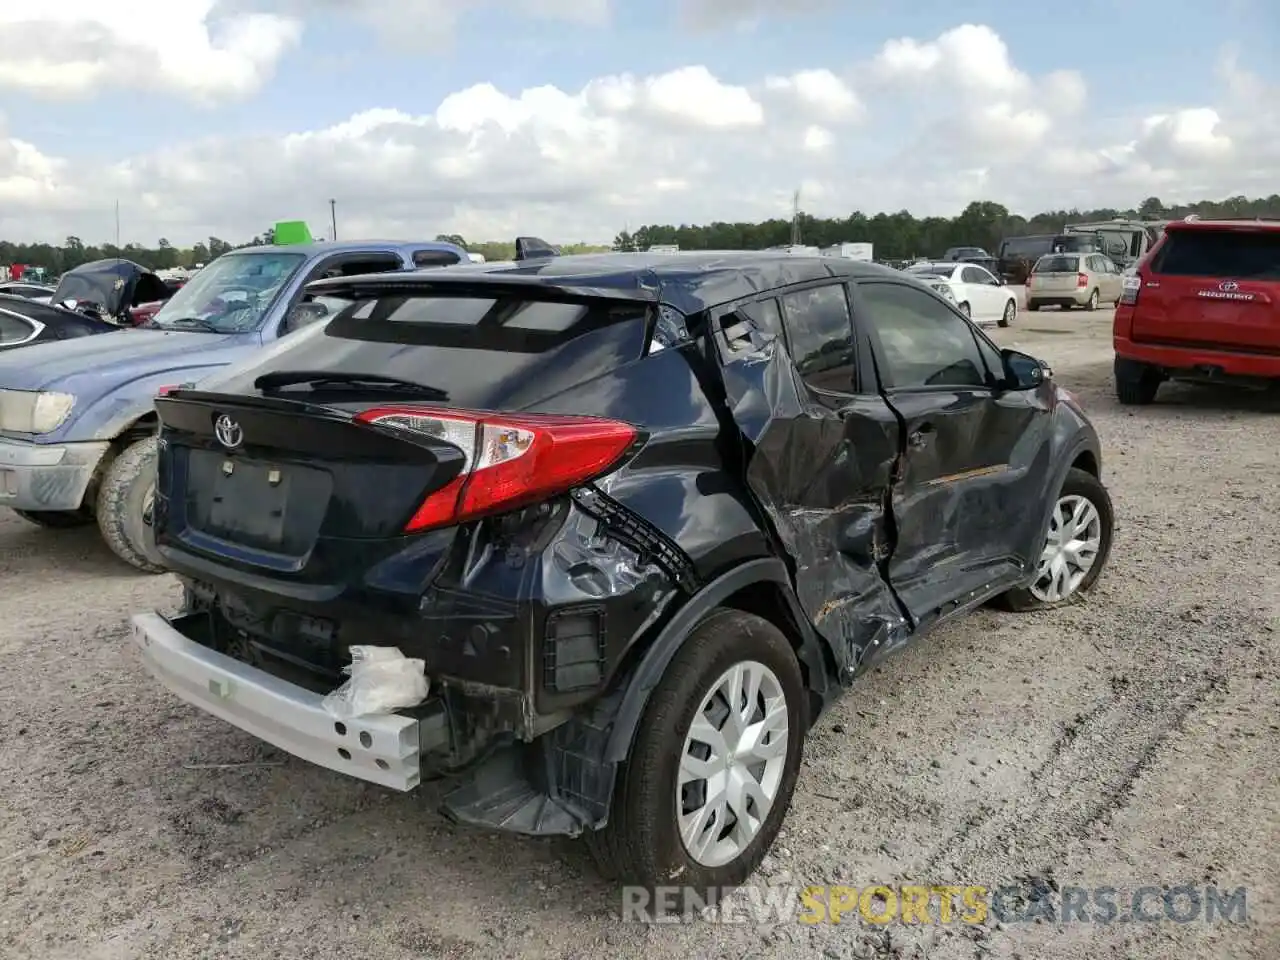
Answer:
(229, 433)
(1228, 286)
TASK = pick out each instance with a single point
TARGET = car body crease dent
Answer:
(826, 506)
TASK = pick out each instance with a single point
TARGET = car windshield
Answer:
(932, 269)
(1058, 265)
(230, 295)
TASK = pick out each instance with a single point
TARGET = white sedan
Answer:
(978, 293)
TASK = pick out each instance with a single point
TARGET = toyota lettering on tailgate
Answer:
(1227, 290)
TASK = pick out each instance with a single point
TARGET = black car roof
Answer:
(690, 282)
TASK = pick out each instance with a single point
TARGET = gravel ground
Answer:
(1127, 741)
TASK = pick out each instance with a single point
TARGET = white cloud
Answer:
(71, 48)
(970, 58)
(818, 139)
(940, 122)
(820, 93)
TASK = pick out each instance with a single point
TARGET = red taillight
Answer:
(510, 460)
(1082, 280)
(165, 391)
(1132, 284)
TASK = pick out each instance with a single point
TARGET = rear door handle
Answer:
(920, 436)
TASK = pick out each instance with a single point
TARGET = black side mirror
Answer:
(1022, 371)
(303, 314)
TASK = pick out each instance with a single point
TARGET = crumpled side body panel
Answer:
(823, 474)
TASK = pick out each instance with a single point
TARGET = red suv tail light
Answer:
(510, 460)
(1082, 280)
(1132, 285)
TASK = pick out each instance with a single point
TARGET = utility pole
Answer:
(333, 218)
(795, 218)
(117, 225)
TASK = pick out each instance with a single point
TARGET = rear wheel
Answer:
(1077, 545)
(57, 519)
(709, 778)
(1033, 305)
(124, 506)
(1093, 301)
(1136, 383)
(1010, 311)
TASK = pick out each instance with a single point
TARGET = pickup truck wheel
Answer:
(712, 770)
(57, 519)
(124, 500)
(1077, 545)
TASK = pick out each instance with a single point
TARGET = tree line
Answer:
(903, 236)
(895, 235)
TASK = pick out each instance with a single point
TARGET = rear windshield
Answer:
(1026, 246)
(1238, 254)
(933, 269)
(482, 351)
(1058, 265)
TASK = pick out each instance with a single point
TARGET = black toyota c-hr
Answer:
(642, 518)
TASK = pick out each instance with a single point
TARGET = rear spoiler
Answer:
(534, 248)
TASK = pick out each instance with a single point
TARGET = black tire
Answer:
(1136, 383)
(1082, 484)
(1033, 306)
(57, 519)
(1092, 305)
(1010, 311)
(964, 308)
(127, 483)
(641, 843)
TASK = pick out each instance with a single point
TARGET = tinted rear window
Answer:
(931, 270)
(486, 352)
(1237, 254)
(1058, 265)
(1026, 246)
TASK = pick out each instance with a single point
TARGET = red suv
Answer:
(1204, 305)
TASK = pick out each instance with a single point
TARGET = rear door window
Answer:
(1227, 254)
(434, 258)
(820, 333)
(14, 329)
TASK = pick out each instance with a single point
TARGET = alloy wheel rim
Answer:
(1010, 309)
(1071, 549)
(731, 764)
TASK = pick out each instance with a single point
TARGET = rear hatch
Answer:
(1212, 286)
(323, 455)
(1056, 276)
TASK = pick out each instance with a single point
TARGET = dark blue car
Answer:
(77, 417)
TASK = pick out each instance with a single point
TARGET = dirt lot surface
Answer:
(1130, 740)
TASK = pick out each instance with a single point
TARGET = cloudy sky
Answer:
(572, 118)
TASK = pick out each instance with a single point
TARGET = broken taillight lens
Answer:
(509, 460)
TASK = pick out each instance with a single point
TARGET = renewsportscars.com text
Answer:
(939, 903)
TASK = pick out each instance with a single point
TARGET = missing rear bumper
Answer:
(379, 749)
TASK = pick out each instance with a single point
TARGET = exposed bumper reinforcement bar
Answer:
(380, 749)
